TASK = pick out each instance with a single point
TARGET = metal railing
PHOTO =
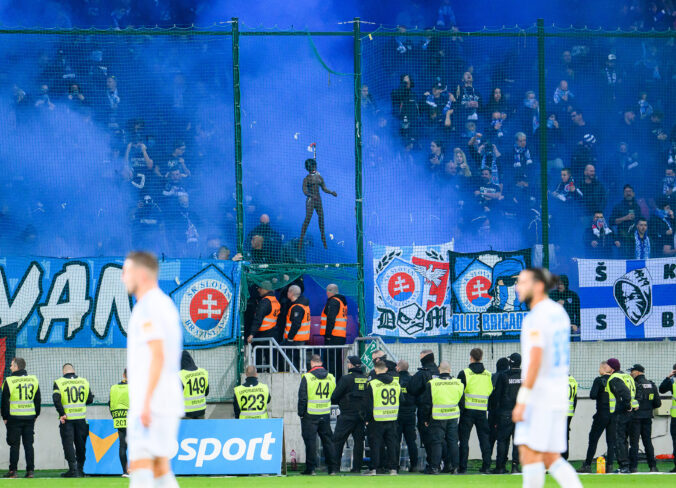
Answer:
(268, 355)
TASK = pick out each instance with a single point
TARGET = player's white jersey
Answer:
(155, 317)
(547, 326)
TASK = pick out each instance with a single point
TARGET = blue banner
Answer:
(83, 302)
(634, 299)
(484, 296)
(204, 447)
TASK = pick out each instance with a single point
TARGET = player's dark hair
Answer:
(476, 354)
(20, 363)
(543, 275)
(146, 259)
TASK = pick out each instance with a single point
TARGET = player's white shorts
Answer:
(158, 440)
(543, 429)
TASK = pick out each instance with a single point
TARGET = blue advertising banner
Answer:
(484, 296)
(634, 299)
(204, 447)
(83, 302)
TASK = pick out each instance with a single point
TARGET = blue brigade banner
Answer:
(411, 292)
(483, 287)
(83, 302)
(634, 299)
(204, 447)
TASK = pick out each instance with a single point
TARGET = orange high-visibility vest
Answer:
(340, 326)
(303, 333)
(270, 320)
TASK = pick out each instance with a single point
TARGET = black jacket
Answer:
(418, 382)
(248, 382)
(263, 308)
(426, 404)
(598, 392)
(56, 396)
(297, 314)
(331, 310)
(349, 395)
(622, 395)
(367, 407)
(320, 373)
(407, 406)
(5, 399)
(644, 389)
(506, 389)
(667, 385)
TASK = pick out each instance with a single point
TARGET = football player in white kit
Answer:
(154, 345)
(541, 407)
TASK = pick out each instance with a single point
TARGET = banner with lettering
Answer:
(633, 299)
(411, 291)
(483, 289)
(83, 302)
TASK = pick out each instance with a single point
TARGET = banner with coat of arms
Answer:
(46, 302)
(633, 299)
(483, 286)
(411, 291)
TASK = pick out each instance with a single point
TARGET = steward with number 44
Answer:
(251, 398)
(71, 396)
(20, 407)
(314, 410)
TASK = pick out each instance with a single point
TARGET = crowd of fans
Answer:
(472, 116)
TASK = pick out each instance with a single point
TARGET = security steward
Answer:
(621, 396)
(381, 409)
(195, 387)
(506, 389)
(501, 366)
(297, 329)
(441, 412)
(416, 387)
(251, 397)
(478, 388)
(264, 323)
(602, 420)
(119, 406)
(334, 327)
(669, 386)
(406, 419)
(349, 396)
(71, 396)
(20, 407)
(572, 405)
(314, 410)
(648, 398)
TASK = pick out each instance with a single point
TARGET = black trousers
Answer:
(602, 422)
(622, 421)
(505, 437)
(122, 434)
(672, 429)
(641, 430)
(492, 428)
(469, 419)
(19, 430)
(311, 426)
(565, 454)
(383, 435)
(406, 427)
(424, 439)
(346, 425)
(74, 440)
(443, 440)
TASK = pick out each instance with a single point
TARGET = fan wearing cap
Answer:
(669, 386)
(506, 389)
(648, 398)
(265, 319)
(621, 391)
(349, 396)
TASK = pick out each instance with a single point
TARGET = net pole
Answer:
(358, 176)
(238, 134)
(542, 96)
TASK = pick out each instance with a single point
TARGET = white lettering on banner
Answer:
(67, 300)
(16, 309)
(111, 299)
(232, 449)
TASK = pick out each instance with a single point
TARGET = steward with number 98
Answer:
(71, 396)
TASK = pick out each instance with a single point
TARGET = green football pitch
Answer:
(404, 480)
